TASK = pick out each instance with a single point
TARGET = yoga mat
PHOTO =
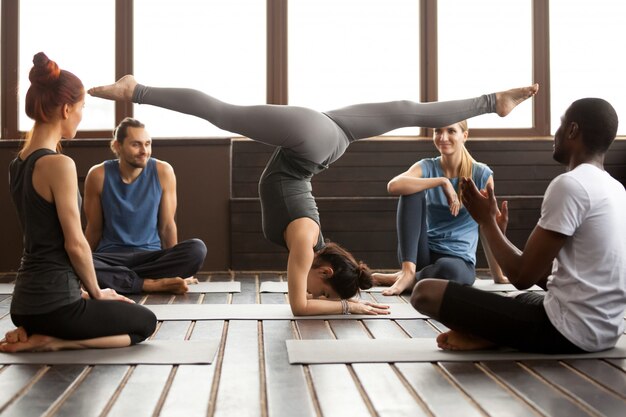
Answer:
(264, 312)
(201, 287)
(481, 284)
(281, 286)
(218, 286)
(489, 285)
(152, 352)
(6, 289)
(416, 350)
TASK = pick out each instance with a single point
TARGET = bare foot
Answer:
(191, 280)
(122, 90)
(16, 335)
(507, 100)
(501, 280)
(385, 280)
(34, 343)
(173, 285)
(453, 340)
(405, 281)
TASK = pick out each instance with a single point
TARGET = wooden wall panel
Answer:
(202, 169)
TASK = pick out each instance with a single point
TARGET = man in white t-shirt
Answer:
(577, 252)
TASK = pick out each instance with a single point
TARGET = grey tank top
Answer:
(45, 279)
(286, 194)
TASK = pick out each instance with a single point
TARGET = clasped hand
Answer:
(482, 204)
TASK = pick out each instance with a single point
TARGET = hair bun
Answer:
(365, 280)
(44, 72)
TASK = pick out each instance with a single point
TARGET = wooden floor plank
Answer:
(190, 391)
(313, 329)
(142, 391)
(45, 391)
(620, 363)
(386, 391)
(489, 395)
(387, 299)
(15, 378)
(216, 298)
(348, 329)
(159, 298)
(287, 388)
(597, 398)
(239, 384)
(271, 298)
(542, 396)
(384, 329)
(439, 394)
(172, 330)
(603, 373)
(94, 393)
(418, 328)
(248, 294)
(337, 392)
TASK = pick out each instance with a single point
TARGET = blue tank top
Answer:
(457, 236)
(130, 212)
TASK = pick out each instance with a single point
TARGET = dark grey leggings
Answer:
(413, 244)
(310, 134)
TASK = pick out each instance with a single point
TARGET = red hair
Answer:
(50, 87)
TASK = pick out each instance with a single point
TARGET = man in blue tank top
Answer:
(130, 203)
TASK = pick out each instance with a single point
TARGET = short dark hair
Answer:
(121, 131)
(597, 121)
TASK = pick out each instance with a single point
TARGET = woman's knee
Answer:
(144, 326)
(453, 269)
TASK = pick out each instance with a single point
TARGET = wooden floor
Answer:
(252, 377)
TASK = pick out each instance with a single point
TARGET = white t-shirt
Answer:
(586, 296)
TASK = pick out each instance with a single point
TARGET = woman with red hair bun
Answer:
(49, 306)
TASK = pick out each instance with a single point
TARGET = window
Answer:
(353, 51)
(585, 39)
(78, 42)
(480, 54)
(215, 46)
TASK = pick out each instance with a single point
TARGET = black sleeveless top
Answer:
(45, 279)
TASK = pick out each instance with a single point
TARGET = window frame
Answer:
(277, 65)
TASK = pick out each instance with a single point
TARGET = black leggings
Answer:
(125, 272)
(518, 322)
(413, 245)
(90, 319)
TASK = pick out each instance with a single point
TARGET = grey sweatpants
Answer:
(312, 135)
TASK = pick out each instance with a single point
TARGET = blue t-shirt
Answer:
(457, 236)
(130, 212)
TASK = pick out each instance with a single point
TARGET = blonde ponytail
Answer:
(467, 163)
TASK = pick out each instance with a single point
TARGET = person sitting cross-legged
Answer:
(130, 204)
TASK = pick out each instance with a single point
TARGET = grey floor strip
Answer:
(153, 352)
(415, 350)
(201, 287)
(481, 284)
(264, 312)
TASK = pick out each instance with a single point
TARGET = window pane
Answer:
(582, 34)
(81, 39)
(480, 54)
(215, 46)
(343, 52)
